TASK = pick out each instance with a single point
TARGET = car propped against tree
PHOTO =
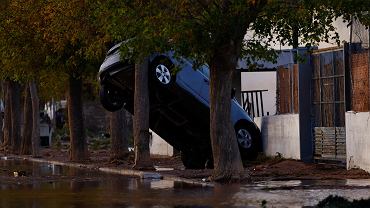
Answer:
(179, 105)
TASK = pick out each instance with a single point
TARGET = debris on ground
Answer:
(273, 168)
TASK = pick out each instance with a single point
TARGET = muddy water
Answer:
(45, 185)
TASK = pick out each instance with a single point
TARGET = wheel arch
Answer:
(253, 127)
(159, 58)
(168, 63)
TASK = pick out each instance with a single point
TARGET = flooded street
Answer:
(27, 184)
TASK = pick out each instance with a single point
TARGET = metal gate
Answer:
(328, 105)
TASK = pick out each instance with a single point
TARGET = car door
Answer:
(194, 80)
(204, 90)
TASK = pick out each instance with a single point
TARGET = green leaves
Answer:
(50, 37)
(69, 36)
(198, 28)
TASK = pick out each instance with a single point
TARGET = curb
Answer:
(125, 172)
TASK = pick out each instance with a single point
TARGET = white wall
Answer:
(280, 134)
(358, 140)
(262, 81)
(159, 147)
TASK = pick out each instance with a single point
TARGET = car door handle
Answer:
(206, 81)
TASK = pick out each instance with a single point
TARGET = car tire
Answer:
(249, 140)
(194, 160)
(160, 71)
(111, 98)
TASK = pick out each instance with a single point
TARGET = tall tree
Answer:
(15, 112)
(78, 151)
(7, 119)
(35, 139)
(50, 40)
(1, 111)
(22, 54)
(26, 147)
(119, 135)
(76, 47)
(141, 117)
(110, 15)
(214, 32)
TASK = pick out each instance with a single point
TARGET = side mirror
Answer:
(233, 92)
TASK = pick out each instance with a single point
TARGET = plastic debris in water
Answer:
(19, 173)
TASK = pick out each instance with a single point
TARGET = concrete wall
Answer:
(280, 134)
(159, 147)
(358, 140)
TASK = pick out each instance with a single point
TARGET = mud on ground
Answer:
(261, 169)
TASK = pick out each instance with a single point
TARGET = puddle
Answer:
(46, 185)
(294, 184)
(295, 198)
(278, 184)
(300, 193)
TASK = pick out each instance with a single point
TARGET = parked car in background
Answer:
(179, 105)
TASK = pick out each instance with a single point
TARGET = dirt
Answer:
(293, 169)
(260, 170)
(272, 168)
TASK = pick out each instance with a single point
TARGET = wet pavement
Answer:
(28, 184)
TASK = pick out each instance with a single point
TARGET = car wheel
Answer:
(160, 71)
(193, 160)
(111, 98)
(249, 140)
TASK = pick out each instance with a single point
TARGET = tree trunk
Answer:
(35, 141)
(78, 149)
(1, 111)
(27, 128)
(15, 96)
(228, 166)
(141, 117)
(118, 133)
(7, 130)
(1, 127)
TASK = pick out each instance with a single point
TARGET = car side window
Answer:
(204, 70)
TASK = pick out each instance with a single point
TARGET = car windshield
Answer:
(205, 70)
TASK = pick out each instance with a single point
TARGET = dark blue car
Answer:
(179, 105)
